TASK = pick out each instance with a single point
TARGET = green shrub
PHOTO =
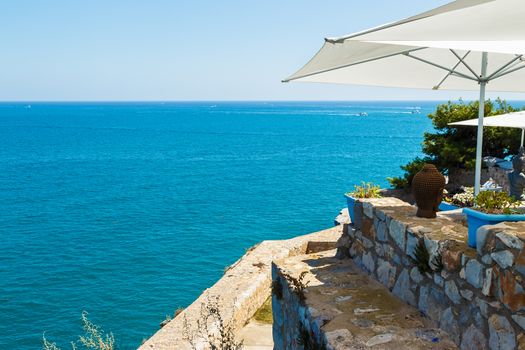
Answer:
(455, 147)
(93, 339)
(492, 202)
(366, 190)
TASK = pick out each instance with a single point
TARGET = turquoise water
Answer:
(131, 210)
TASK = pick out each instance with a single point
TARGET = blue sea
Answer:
(130, 210)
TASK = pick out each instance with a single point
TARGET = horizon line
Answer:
(241, 100)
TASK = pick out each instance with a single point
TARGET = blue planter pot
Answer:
(444, 206)
(476, 219)
(350, 201)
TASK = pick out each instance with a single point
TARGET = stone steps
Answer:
(256, 336)
(344, 308)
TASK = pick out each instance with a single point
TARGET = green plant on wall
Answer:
(422, 257)
(298, 286)
(450, 147)
(277, 289)
(437, 262)
(307, 340)
(366, 190)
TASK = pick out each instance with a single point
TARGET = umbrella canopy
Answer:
(464, 45)
(509, 120)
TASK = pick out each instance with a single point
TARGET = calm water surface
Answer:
(128, 211)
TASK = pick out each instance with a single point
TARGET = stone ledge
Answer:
(244, 287)
(478, 297)
(345, 309)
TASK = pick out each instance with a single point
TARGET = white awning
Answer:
(440, 49)
(464, 45)
(510, 120)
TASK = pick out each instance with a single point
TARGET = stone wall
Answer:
(343, 308)
(242, 290)
(476, 296)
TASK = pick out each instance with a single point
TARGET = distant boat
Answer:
(363, 114)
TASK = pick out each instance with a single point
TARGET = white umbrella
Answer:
(509, 120)
(465, 45)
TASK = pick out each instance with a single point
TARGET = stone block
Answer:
(397, 231)
(386, 273)
(485, 237)
(474, 273)
(520, 262)
(464, 260)
(402, 288)
(510, 240)
(431, 302)
(502, 336)
(350, 231)
(503, 258)
(380, 214)
(423, 299)
(467, 294)
(449, 324)
(389, 251)
(343, 242)
(438, 280)
(520, 320)
(473, 339)
(487, 283)
(451, 256)
(439, 297)
(368, 262)
(358, 215)
(380, 251)
(396, 259)
(464, 316)
(412, 242)
(511, 293)
(382, 232)
(415, 275)
(367, 243)
(368, 228)
(452, 292)
(486, 259)
(487, 308)
(368, 210)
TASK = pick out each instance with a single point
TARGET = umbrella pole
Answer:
(481, 115)
(522, 137)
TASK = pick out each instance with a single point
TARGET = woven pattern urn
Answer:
(427, 187)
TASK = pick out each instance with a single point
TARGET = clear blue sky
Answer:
(183, 50)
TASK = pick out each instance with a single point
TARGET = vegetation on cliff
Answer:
(455, 147)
